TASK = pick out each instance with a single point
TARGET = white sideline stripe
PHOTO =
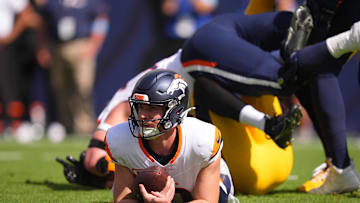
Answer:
(293, 177)
(10, 155)
(232, 76)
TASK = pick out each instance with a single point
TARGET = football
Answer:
(153, 178)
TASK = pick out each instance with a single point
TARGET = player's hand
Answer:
(75, 172)
(43, 56)
(166, 195)
(71, 169)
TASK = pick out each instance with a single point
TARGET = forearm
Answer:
(207, 188)
(28, 18)
(99, 29)
(94, 154)
(18, 28)
(123, 181)
(96, 41)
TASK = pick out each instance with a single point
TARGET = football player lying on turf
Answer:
(159, 133)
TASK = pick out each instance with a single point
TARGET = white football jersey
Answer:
(200, 144)
(172, 63)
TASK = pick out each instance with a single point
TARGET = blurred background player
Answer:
(76, 32)
(159, 133)
(22, 53)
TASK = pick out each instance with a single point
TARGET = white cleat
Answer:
(339, 180)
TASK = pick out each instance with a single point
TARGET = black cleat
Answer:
(280, 128)
(298, 32)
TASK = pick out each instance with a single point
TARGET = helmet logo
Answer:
(176, 84)
(140, 97)
(178, 76)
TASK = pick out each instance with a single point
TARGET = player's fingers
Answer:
(147, 197)
(171, 191)
(168, 184)
(72, 159)
(143, 192)
(60, 161)
(156, 194)
(142, 189)
(64, 163)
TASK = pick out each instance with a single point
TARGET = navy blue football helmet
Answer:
(160, 88)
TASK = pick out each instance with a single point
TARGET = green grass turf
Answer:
(29, 173)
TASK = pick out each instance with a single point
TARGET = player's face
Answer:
(151, 114)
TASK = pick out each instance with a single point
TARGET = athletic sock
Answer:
(250, 116)
(345, 42)
(339, 44)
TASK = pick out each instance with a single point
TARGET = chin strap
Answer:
(150, 133)
(153, 133)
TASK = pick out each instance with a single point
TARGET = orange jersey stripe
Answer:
(199, 62)
(221, 180)
(179, 145)
(217, 142)
(144, 150)
(108, 150)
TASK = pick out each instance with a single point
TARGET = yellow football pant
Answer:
(256, 163)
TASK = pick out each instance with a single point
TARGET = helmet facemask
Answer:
(158, 88)
(165, 122)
